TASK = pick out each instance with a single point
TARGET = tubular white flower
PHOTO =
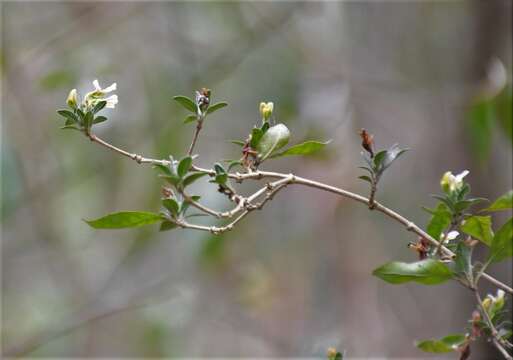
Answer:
(111, 101)
(450, 182)
(450, 236)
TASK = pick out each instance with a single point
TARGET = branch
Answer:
(292, 179)
(496, 339)
(199, 124)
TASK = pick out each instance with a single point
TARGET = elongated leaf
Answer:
(256, 135)
(505, 202)
(427, 272)
(365, 178)
(216, 107)
(171, 205)
(70, 127)
(238, 142)
(184, 165)
(447, 344)
(479, 227)
(392, 154)
(167, 225)
(99, 106)
(189, 119)
(68, 115)
(99, 119)
(172, 179)
(192, 178)
(502, 243)
(124, 219)
(186, 103)
(439, 221)
(378, 159)
(163, 168)
(306, 148)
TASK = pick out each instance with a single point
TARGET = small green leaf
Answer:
(99, 119)
(447, 344)
(378, 159)
(392, 154)
(479, 227)
(183, 166)
(305, 148)
(68, 115)
(219, 169)
(192, 178)
(171, 205)
(163, 168)
(233, 163)
(502, 243)
(88, 120)
(365, 178)
(172, 179)
(427, 272)
(505, 202)
(70, 127)
(238, 142)
(100, 105)
(167, 225)
(216, 107)
(256, 135)
(124, 219)
(439, 221)
(186, 103)
(463, 259)
(189, 119)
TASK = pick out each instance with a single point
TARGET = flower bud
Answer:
(72, 99)
(331, 353)
(486, 303)
(266, 110)
(450, 182)
(445, 181)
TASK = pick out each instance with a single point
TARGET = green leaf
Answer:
(124, 219)
(70, 127)
(443, 345)
(392, 154)
(219, 169)
(233, 163)
(427, 272)
(99, 119)
(186, 103)
(463, 259)
(171, 205)
(163, 168)
(440, 220)
(183, 166)
(274, 139)
(479, 227)
(216, 107)
(167, 225)
(192, 178)
(505, 202)
(365, 178)
(172, 179)
(68, 115)
(378, 159)
(100, 105)
(88, 120)
(305, 148)
(256, 135)
(238, 142)
(189, 119)
(502, 243)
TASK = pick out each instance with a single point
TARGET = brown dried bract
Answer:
(367, 142)
(421, 247)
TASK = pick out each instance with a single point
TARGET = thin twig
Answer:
(257, 175)
(199, 124)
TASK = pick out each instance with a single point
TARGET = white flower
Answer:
(107, 90)
(450, 182)
(111, 101)
(450, 236)
(97, 95)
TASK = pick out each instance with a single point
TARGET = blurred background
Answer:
(289, 281)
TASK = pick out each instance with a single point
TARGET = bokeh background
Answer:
(291, 280)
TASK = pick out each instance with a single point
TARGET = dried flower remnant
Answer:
(367, 142)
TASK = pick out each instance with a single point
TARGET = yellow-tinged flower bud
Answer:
(486, 303)
(72, 99)
(331, 353)
(266, 110)
(450, 182)
(445, 181)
